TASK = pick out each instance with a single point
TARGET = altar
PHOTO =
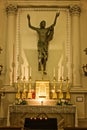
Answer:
(66, 115)
(42, 102)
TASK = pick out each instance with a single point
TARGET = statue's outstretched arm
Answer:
(29, 23)
(57, 15)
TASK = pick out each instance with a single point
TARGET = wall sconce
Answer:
(85, 69)
(85, 66)
(1, 68)
(0, 50)
(85, 51)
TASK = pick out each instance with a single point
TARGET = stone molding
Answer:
(41, 109)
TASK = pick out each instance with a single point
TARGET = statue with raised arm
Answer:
(44, 36)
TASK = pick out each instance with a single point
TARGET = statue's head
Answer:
(43, 24)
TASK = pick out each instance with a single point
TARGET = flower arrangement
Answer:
(20, 101)
(64, 102)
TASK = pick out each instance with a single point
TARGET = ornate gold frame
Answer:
(42, 89)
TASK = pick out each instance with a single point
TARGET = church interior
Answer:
(43, 64)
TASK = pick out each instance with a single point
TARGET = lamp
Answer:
(85, 66)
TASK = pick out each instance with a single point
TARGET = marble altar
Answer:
(66, 115)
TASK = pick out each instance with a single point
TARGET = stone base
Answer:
(3, 121)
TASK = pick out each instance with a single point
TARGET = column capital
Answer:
(75, 9)
(11, 8)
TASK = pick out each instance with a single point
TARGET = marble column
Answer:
(11, 43)
(75, 40)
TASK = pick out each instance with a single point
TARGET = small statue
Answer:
(45, 35)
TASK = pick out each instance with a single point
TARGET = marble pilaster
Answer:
(75, 40)
(11, 45)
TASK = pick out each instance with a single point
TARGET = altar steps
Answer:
(40, 124)
(75, 128)
(10, 128)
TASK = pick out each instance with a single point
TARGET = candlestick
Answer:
(67, 82)
(60, 93)
(67, 89)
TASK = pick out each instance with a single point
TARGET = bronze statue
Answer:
(45, 35)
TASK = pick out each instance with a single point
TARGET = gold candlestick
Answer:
(24, 87)
(54, 83)
(67, 89)
(18, 94)
(24, 94)
(61, 93)
(29, 89)
(54, 96)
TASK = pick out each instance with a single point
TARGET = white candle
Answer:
(30, 71)
(57, 75)
(24, 71)
(61, 71)
(13, 52)
(54, 72)
(18, 71)
(13, 62)
(11, 75)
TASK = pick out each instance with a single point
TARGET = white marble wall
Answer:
(76, 92)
